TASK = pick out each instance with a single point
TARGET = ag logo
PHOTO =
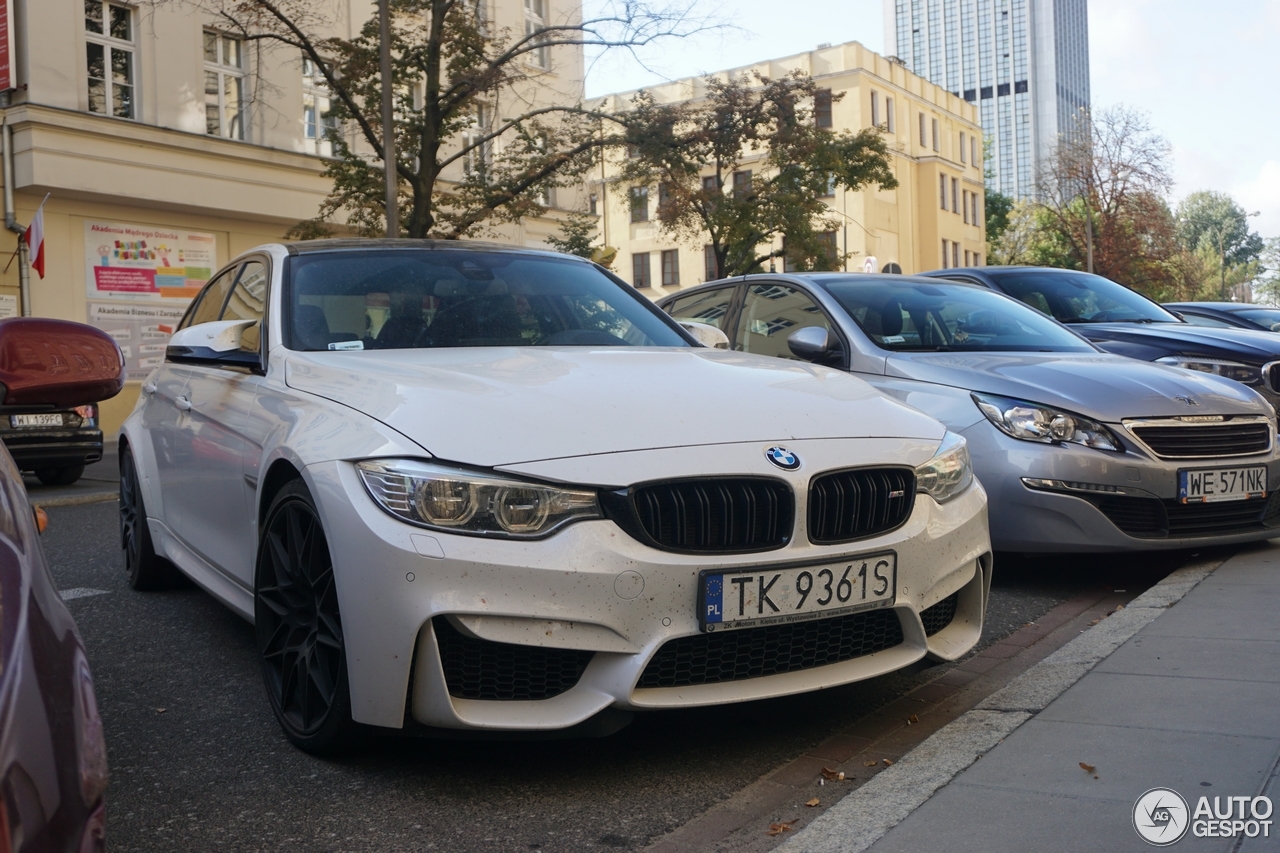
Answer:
(783, 458)
(1160, 816)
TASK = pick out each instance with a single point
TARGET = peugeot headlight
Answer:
(475, 503)
(1047, 425)
(1218, 367)
(949, 472)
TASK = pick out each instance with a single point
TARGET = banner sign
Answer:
(140, 280)
(6, 46)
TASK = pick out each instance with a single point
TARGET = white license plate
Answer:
(1211, 485)
(18, 421)
(772, 595)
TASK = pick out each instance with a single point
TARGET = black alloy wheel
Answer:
(147, 570)
(298, 627)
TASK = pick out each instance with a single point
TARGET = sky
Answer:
(1206, 74)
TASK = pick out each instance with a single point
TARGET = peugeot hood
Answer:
(1100, 386)
(503, 406)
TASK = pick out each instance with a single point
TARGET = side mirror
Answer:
(57, 364)
(213, 344)
(706, 334)
(815, 344)
(1275, 327)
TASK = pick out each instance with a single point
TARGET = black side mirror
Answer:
(815, 344)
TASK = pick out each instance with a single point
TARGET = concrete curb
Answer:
(863, 817)
(76, 500)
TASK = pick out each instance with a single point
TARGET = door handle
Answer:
(149, 388)
(182, 403)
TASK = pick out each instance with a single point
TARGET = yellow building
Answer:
(195, 147)
(933, 219)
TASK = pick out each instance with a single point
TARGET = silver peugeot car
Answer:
(1079, 450)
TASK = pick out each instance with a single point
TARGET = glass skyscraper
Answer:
(1025, 63)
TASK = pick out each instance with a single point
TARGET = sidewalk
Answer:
(1180, 690)
(101, 482)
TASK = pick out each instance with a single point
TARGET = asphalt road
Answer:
(198, 763)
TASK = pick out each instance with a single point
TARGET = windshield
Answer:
(1077, 297)
(406, 299)
(1267, 318)
(939, 317)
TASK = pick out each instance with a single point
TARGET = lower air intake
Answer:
(940, 615)
(480, 669)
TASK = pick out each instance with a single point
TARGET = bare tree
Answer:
(473, 147)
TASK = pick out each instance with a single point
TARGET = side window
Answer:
(208, 304)
(771, 313)
(1197, 320)
(709, 306)
(247, 302)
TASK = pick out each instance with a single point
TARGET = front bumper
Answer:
(592, 589)
(1136, 510)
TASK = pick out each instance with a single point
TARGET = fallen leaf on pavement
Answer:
(886, 761)
(1095, 621)
(913, 719)
(1087, 768)
(779, 828)
(161, 710)
(834, 775)
(814, 802)
(869, 763)
(1119, 607)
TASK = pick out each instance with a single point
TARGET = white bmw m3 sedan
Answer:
(466, 486)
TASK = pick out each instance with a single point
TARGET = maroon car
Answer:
(53, 760)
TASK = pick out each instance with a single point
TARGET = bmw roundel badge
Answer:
(783, 458)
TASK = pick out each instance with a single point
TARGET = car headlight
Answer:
(1047, 425)
(471, 502)
(1218, 367)
(949, 472)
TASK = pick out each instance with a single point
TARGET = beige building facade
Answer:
(166, 146)
(933, 219)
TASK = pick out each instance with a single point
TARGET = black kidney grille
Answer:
(716, 515)
(1148, 518)
(480, 669)
(939, 616)
(771, 649)
(1190, 442)
(860, 502)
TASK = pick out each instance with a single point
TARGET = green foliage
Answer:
(746, 166)
(1213, 221)
(996, 206)
(1266, 287)
(577, 233)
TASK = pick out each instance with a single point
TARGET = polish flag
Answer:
(35, 240)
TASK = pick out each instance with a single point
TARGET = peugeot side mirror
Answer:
(815, 344)
(706, 334)
(57, 364)
(216, 344)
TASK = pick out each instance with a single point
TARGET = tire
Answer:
(62, 476)
(298, 626)
(147, 570)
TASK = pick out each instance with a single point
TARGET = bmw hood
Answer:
(1149, 341)
(1099, 386)
(502, 406)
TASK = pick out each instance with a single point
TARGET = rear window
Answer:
(407, 299)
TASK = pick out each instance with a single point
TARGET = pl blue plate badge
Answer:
(783, 458)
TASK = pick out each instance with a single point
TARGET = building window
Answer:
(640, 204)
(829, 190)
(962, 151)
(319, 127)
(592, 204)
(1002, 89)
(955, 254)
(973, 149)
(223, 86)
(711, 268)
(875, 109)
(822, 108)
(977, 259)
(664, 195)
(640, 270)
(671, 268)
(955, 195)
(535, 19)
(964, 198)
(478, 152)
(945, 254)
(109, 52)
(830, 248)
(973, 204)
(923, 143)
(888, 115)
(935, 135)
(942, 190)
(742, 183)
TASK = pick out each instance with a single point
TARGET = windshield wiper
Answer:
(1133, 320)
